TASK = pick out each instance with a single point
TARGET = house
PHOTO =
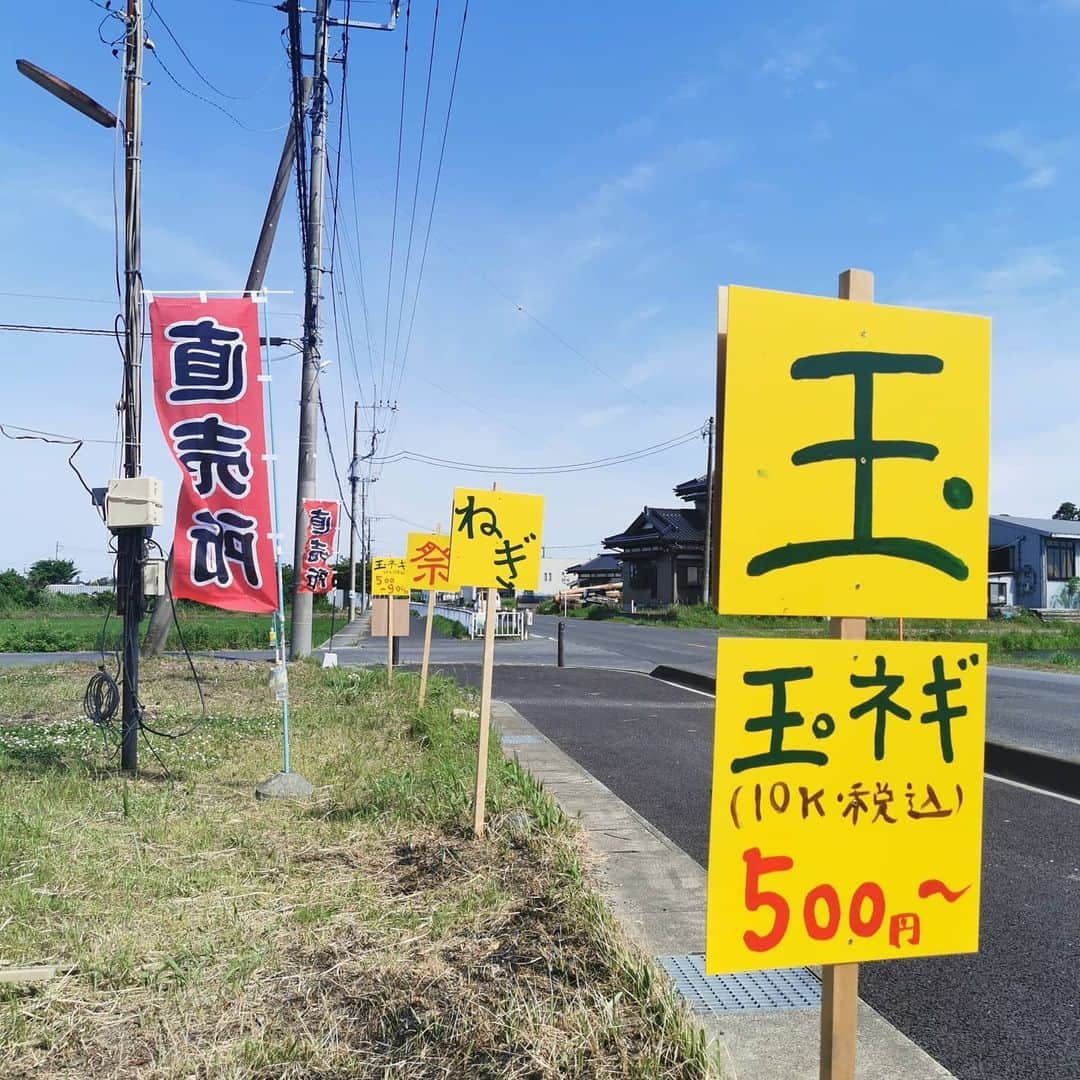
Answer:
(662, 551)
(601, 570)
(1032, 561)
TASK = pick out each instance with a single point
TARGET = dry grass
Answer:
(364, 934)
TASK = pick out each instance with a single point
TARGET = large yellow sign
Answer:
(846, 802)
(427, 557)
(389, 577)
(495, 539)
(854, 459)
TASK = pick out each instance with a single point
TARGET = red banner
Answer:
(320, 530)
(210, 404)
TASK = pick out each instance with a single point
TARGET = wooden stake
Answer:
(427, 637)
(480, 792)
(389, 641)
(840, 982)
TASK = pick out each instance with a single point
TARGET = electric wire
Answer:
(397, 188)
(435, 189)
(59, 440)
(545, 470)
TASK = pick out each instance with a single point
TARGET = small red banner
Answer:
(316, 575)
(210, 405)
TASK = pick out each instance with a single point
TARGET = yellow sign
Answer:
(495, 539)
(854, 459)
(846, 802)
(389, 577)
(427, 557)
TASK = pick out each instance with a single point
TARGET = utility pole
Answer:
(707, 575)
(131, 542)
(354, 479)
(306, 467)
(365, 544)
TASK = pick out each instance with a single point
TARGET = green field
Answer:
(197, 932)
(204, 628)
(1023, 640)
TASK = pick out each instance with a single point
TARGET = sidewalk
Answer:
(351, 634)
(658, 893)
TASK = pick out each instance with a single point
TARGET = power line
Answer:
(416, 184)
(542, 470)
(397, 187)
(435, 188)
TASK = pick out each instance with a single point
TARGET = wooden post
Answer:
(389, 641)
(427, 637)
(480, 792)
(840, 982)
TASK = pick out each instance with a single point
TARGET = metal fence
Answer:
(508, 624)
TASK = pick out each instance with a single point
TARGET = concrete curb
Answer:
(1057, 774)
(658, 894)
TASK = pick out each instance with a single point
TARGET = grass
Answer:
(448, 627)
(360, 934)
(1022, 641)
(204, 628)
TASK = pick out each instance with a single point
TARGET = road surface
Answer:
(1011, 1012)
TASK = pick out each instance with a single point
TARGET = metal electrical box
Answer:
(133, 502)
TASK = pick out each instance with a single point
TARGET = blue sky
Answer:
(607, 167)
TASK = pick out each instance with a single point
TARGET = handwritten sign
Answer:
(427, 556)
(854, 459)
(389, 577)
(846, 802)
(320, 532)
(495, 539)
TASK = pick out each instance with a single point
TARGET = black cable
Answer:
(435, 189)
(397, 187)
(416, 187)
(59, 441)
(333, 464)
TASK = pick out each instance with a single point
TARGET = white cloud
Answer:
(807, 55)
(1025, 270)
(1036, 159)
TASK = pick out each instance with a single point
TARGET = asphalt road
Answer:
(1039, 710)
(1011, 1012)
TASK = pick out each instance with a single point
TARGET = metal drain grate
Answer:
(517, 740)
(784, 988)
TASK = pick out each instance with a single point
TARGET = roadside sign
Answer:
(854, 459)
(389, 577)
(846, 802)
(427, 558)
(495, 539)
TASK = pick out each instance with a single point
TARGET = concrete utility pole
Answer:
(707, 576)
(306, 466)
(131, 542)
(365, 540)
(157, 632)
(354, 480)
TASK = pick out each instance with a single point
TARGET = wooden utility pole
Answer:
(840, 982)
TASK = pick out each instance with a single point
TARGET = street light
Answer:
(67, 93)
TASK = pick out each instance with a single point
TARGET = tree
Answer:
(1067, 511)
(14, 590)
(51, 572)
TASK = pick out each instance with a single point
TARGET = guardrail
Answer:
(508, 624)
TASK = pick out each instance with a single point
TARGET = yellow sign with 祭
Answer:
(389, 577)
(854, 460)
(427, 557)
(846, 802)
(495, 539)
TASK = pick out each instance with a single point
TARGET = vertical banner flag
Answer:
(320, 531)
(210, 405)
